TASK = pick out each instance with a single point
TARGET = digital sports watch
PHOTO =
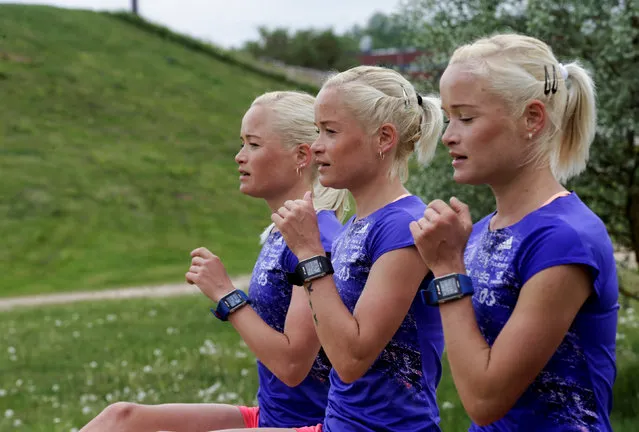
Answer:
(446, 288)
(230, 303)
(311, 269)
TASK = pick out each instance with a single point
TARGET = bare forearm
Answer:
(271, 347)
(467, 350)
(337, 329)
(486, 393)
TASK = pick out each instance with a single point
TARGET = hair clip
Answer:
(406, 101)
(548, 86)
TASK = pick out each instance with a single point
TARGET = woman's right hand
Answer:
(441, 236)
(209, 274)
(297, 221)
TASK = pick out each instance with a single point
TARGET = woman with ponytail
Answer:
(385, 346)
(274, 320)
(532, 345)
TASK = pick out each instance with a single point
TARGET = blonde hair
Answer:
(515, 66)
(377, 95)
(293, 120)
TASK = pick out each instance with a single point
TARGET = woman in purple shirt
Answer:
(276, 322)
(533, 349)
(385, 346)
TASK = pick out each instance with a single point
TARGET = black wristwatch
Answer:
(311, 269)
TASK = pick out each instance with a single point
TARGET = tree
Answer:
(386, 31)
(604, 35)
(317, 49)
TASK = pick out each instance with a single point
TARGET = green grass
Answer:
(238, 58)
(116, 153)
(69, 362)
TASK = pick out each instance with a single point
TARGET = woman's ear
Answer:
(303, 155)
(535, 118)
(388, 138)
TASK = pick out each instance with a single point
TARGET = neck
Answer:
(295, 192)
(373, 195)
(523, 194)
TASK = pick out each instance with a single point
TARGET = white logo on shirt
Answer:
(344, 273)
(507, 245)
(262, 279)
(487, 297)
(362, 229)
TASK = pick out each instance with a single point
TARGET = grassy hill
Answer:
(116, 152)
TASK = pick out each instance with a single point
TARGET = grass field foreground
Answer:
(60, 366)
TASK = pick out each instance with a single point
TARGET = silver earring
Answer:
(299, 171)
(381, 155)
(529, 135)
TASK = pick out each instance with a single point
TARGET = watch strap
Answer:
(429, 295)
(466, 284)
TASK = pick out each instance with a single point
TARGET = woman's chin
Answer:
(248, 190)
(465, 177)
(328, 181)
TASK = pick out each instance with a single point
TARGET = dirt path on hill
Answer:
(112, 294)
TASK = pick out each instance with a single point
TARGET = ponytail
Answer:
(579, 124)
(432, 124)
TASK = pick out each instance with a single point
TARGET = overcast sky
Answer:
(229, 23)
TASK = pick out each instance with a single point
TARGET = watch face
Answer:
(448, 287)
(312, 267)
(233, 300)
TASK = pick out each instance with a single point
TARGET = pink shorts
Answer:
(251, 416)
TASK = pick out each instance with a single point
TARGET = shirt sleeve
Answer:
(554, 246)
(289, 260)
(390, 232)
(329, 226)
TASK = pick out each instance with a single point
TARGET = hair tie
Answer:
(563, 71)
(419, 99)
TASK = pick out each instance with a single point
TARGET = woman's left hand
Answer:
(209, 274)
(441, 236)
(297, 221)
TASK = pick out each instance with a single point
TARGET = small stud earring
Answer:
(529, 135)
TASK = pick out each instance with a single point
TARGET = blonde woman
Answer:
(385, 346)
(274, 320)
(533, 349)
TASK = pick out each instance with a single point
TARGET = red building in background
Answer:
(402, 60)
